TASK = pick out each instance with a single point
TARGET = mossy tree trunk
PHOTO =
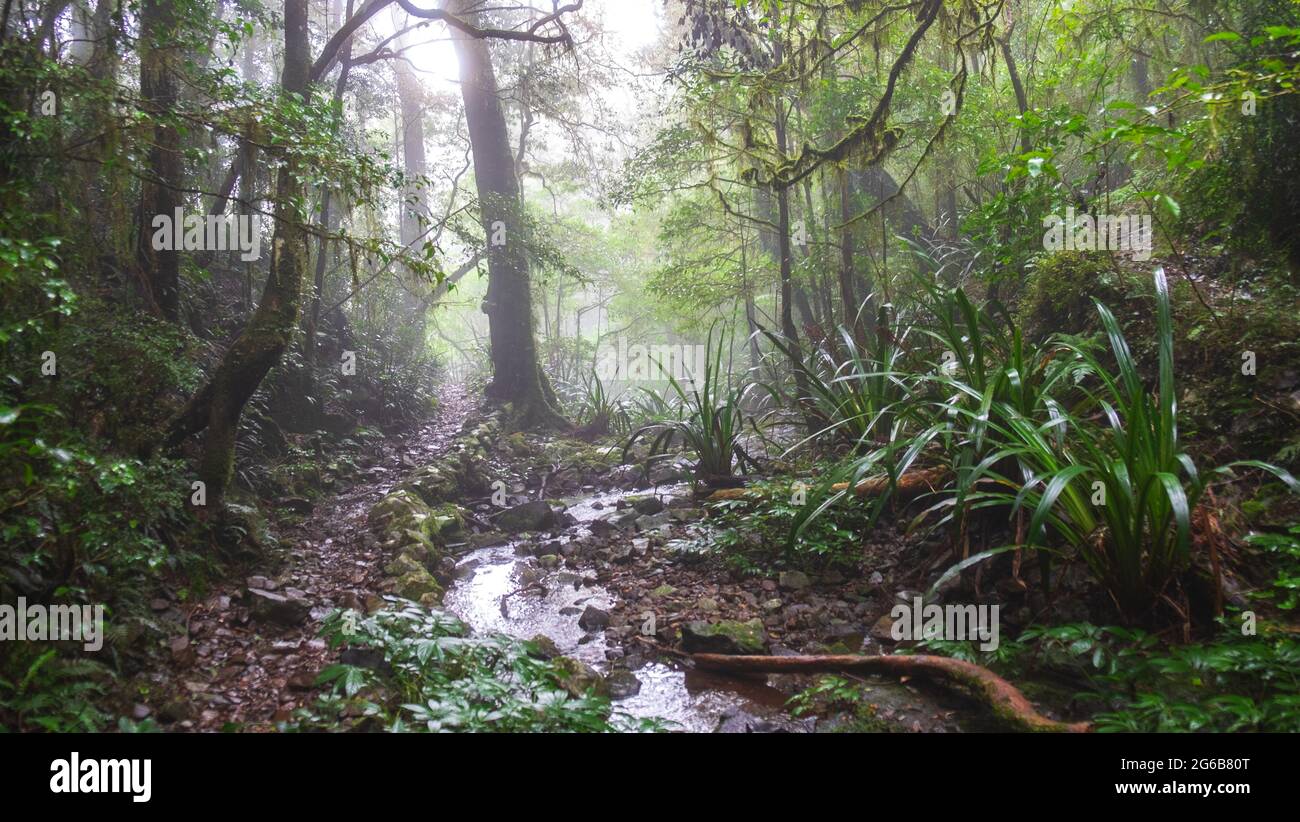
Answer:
(517, 375)
(219, 404)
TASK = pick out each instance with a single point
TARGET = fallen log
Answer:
(911, 484)
(1001, 696)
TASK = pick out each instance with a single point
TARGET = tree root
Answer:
(1001, 696)
(911, 484)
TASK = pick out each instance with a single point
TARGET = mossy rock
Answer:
(646, 503)
(727, 636)
(296, 477)
(516, 445)
(578, 678)
(446, 520)
(417, 585)
(572, 453)
(404, 563)
(434, 483)
(422, 551)
(401, 510)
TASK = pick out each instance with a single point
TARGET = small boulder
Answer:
(648, 504)
(793, 580)
(623, 684)
(593, 619)
(536, 515)
(579, 678)
(268, 606)
(726, 636)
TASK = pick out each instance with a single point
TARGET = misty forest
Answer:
(650, 365)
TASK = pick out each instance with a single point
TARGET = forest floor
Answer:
(617, 578)
(230, 668)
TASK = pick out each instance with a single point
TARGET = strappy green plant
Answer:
(1121, 493)
(711, 422)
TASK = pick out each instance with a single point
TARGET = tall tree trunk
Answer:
(852, 318)
(327, 219)
(517, 375)
(160, 193)
(219, 404)
(787, 266)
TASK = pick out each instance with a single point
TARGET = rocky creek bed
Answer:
(538, 538)
(553, 540)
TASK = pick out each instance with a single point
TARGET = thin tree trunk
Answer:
(160, 193)
(787, 265)
(852, 317)
(326, 215)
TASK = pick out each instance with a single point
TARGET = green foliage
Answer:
(1016, 423)
(40, 690)
(751, 534)
(89, 527)
(1284, 589)
(711, 423)
(1058, 295)
(1233, 683)
(1122, 495)
(435, 677)
(858, 386)
(591, 404)
(848, 699)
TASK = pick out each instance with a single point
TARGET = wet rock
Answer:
(793, 580)
(842, 636)
(623, 684)
(687, 514)
(646, 505)
(543, 647)
(883, 630)
(621, 520)
(772, 605)
(663, 474)
(268, 606)
(536, 515)
(593, 619)
(403, 564)
(738, 722)
(416, 584)
(371, 658)
(708, 605)
(488, 539)
(653, 521)
(663, 591)
(548, 561)
(399, 511)
(578, 678)
(724, 637)
(625, 476)
(466, 568)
